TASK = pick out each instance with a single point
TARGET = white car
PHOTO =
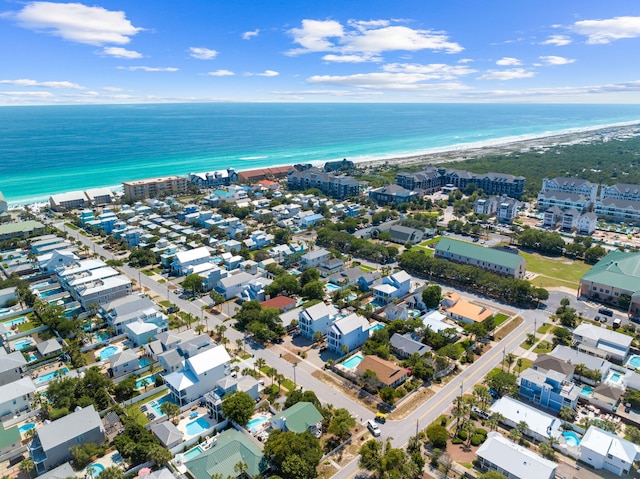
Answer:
(373, 428)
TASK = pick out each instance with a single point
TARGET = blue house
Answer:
(549, 389)
(348, 333)
(392, 287)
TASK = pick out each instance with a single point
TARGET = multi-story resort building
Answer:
(213, 179)
(330, 184)
(490, 259)
(570, 185)
(155, 187)
(434, 179)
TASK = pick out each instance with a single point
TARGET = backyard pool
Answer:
(332, 288)
(49, 376)
(571, 438)
(586, 391)
(614, 377)
(100, 336)
(21, 344)
(375, 327)
(157, 403)
(107, 352)
(143, 363)
(51, 292)
(146, 381)
(198, 426)
(15, 321)
(191, 453)
(26, 427)
(256, 422)
(634, 361)
(95, 469)
(353, 361)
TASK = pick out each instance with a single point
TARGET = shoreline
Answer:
(453, 153)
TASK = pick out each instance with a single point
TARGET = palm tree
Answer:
(241, 468)
(567, 414)
(199, 328)
(27, 466)
(519, 365)
(522, 426)
(492, 424)
(112, 472)
(240, 344)
(510, 359)
(259, 363)
(499, 418)
(580, 369)
(272, 373)
(515, 435)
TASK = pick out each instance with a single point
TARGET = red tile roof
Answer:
(279, 302)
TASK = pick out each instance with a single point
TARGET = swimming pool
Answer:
(51, 292)
(571, 438)
(95, 469)
(146, 381)
(107, 352)
(332, 288)
(100, 336)
(49, 376)
(375, 327)
(614, 377)
(157, 403)
(15, 321)
(143, 363)
(586, 391)
(353, 361)
(634, 361)
(26, 427)
(21, 344)
(198, 426)
(191, 453)
(256, 422)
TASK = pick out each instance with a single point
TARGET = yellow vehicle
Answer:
(381, 418)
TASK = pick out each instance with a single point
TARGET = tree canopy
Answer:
(238, 407)
(293, 455)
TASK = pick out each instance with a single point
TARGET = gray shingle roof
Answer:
(68, 427)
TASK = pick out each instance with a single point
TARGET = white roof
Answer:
(385, 288)
(236, 279)
(604, 443)
(539, 422)
(140, 327)
(597, 334)
(70, 196)
(351, 323)
(104, 284)
(517, 460)
(93, 192)
(401, 276)
(192, 255)
(16, 389)
(209, 359)
(321, 310)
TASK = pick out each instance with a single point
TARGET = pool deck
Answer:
(185, 419)
(46, 369)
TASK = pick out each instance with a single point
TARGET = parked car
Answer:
(373, 428)
(606, 312)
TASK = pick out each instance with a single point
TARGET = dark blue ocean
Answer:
(52, 149)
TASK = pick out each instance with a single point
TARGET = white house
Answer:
(601, 342)
(604, 450)
(11, 366)
(102, 290)
(234, 284)
(49, 262)
(540, 424)
(351, 331)
(16, 397)
(312, 259)
(130, 309)
(184, 259)
(392, 287)
(123, 362)
(199, 375)
(512, 460)
(316, 318)
(587, 223)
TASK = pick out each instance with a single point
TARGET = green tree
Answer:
(293, 455)
(438, 435)
(431, 296)
(370, 455)
(503, 383)
(170, 409)
(238, 407)
(216, 297)
(313, 290)
(341, 423)
(159, 454)
(309, 275)
(193, 283)
(112, 472)
(27, 466)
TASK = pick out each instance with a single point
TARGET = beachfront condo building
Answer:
(331, 185)
(213, 179)
(155, 187)
(434, 179)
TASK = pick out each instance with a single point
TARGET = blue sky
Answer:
(319, 51)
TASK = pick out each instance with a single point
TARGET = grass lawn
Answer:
(543, 347)
(427, 251)
(156, 270)
(136, 414)
(544, 328)
(526, 345)
(72, 226)
(147, 272)
(165, 303)
(431, 241)
(366, 269)
(493, 372)
(500, 318)
(466, 464)
(26, 326)
(288, 383)
(559, 271)
(526, 364)
(507, 328)
(162, 281)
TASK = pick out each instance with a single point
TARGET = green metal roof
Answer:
(300, 416)
(9, 436)
(11, 228)
(482, 253)
(230, 448)
(618, 269)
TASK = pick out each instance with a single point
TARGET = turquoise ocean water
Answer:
(52, 149)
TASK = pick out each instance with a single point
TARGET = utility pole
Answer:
(294, 374)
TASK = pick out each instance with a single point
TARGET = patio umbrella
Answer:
(145, 471)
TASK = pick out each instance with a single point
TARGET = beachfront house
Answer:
(513, 461)
(16, 397)
(299, 418)
(601, 342)
(394, 286)
(316, 318)
(199, 374)
(604, 450)
(52, 442)
(348, 333)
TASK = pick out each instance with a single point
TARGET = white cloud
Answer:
(465, 60)
(608, 30)
(328, 93)
(251, 34)
(202, 53)
(508, 61)
(513, 74)
(366, 38)
(221, 73)
(557, 40)
(387, 81)
(330, 57)
(27, 94)
(77, 22)
(149, 69)
(43, 84)
(266, 73)
(112, 88)
(120, 52)
(554, 60)
(433, 71)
